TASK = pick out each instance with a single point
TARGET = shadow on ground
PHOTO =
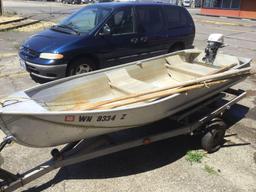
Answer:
(139, 159)
(235, 114)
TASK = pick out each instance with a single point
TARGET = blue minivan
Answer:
(106, 34)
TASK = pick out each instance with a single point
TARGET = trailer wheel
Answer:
(55, 154)
(213, 139)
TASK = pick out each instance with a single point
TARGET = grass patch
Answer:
(17, 46)
(210, 170)
(195, 156)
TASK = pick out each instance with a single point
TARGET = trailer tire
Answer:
(55, 154)
(214, 137)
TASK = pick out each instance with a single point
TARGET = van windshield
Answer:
(86, 19)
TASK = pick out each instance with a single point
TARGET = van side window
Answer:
(122, 22)
(175, 17)
(150, 19)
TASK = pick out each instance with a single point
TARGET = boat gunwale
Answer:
(94, 111)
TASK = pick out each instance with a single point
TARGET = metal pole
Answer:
(1, 7)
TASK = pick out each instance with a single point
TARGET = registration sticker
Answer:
(69, 118)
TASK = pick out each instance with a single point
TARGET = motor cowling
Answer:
(215, 41)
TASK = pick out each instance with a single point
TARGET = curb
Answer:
(20, 25)
(230, 17)
(14, 21)
(3, 55)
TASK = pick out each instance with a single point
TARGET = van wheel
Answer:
(80, 66)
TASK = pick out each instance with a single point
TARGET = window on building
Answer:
(222, 4)
(206, 4)
(226, 4)
(235, 4)
(211, 3)
(216, 3)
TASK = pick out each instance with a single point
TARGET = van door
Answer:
(120, 45)
(180, 27)
(151, 31)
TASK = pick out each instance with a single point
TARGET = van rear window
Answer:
(175, 17)
(150, 19)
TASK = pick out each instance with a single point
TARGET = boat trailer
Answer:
(204, 120)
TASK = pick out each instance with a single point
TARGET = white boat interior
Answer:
(145, 75)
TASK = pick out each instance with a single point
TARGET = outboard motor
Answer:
(215, 41)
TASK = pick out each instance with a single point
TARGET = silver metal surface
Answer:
(45, 66)
(50, 129)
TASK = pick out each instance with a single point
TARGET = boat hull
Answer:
(45, 130)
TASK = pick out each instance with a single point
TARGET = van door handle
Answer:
(134, 40)
(144, 39)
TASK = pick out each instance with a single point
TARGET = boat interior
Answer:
(142, 76)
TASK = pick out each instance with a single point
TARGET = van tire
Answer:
(79, 66)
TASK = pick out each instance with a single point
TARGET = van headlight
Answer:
(51, 56)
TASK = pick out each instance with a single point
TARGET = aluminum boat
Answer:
(117, 98)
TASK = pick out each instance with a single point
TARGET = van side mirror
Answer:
(105, 30)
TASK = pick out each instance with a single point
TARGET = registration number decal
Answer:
(106, 118)
(99, 118)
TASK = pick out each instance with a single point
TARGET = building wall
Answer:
(247, 10)
(220, 12)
